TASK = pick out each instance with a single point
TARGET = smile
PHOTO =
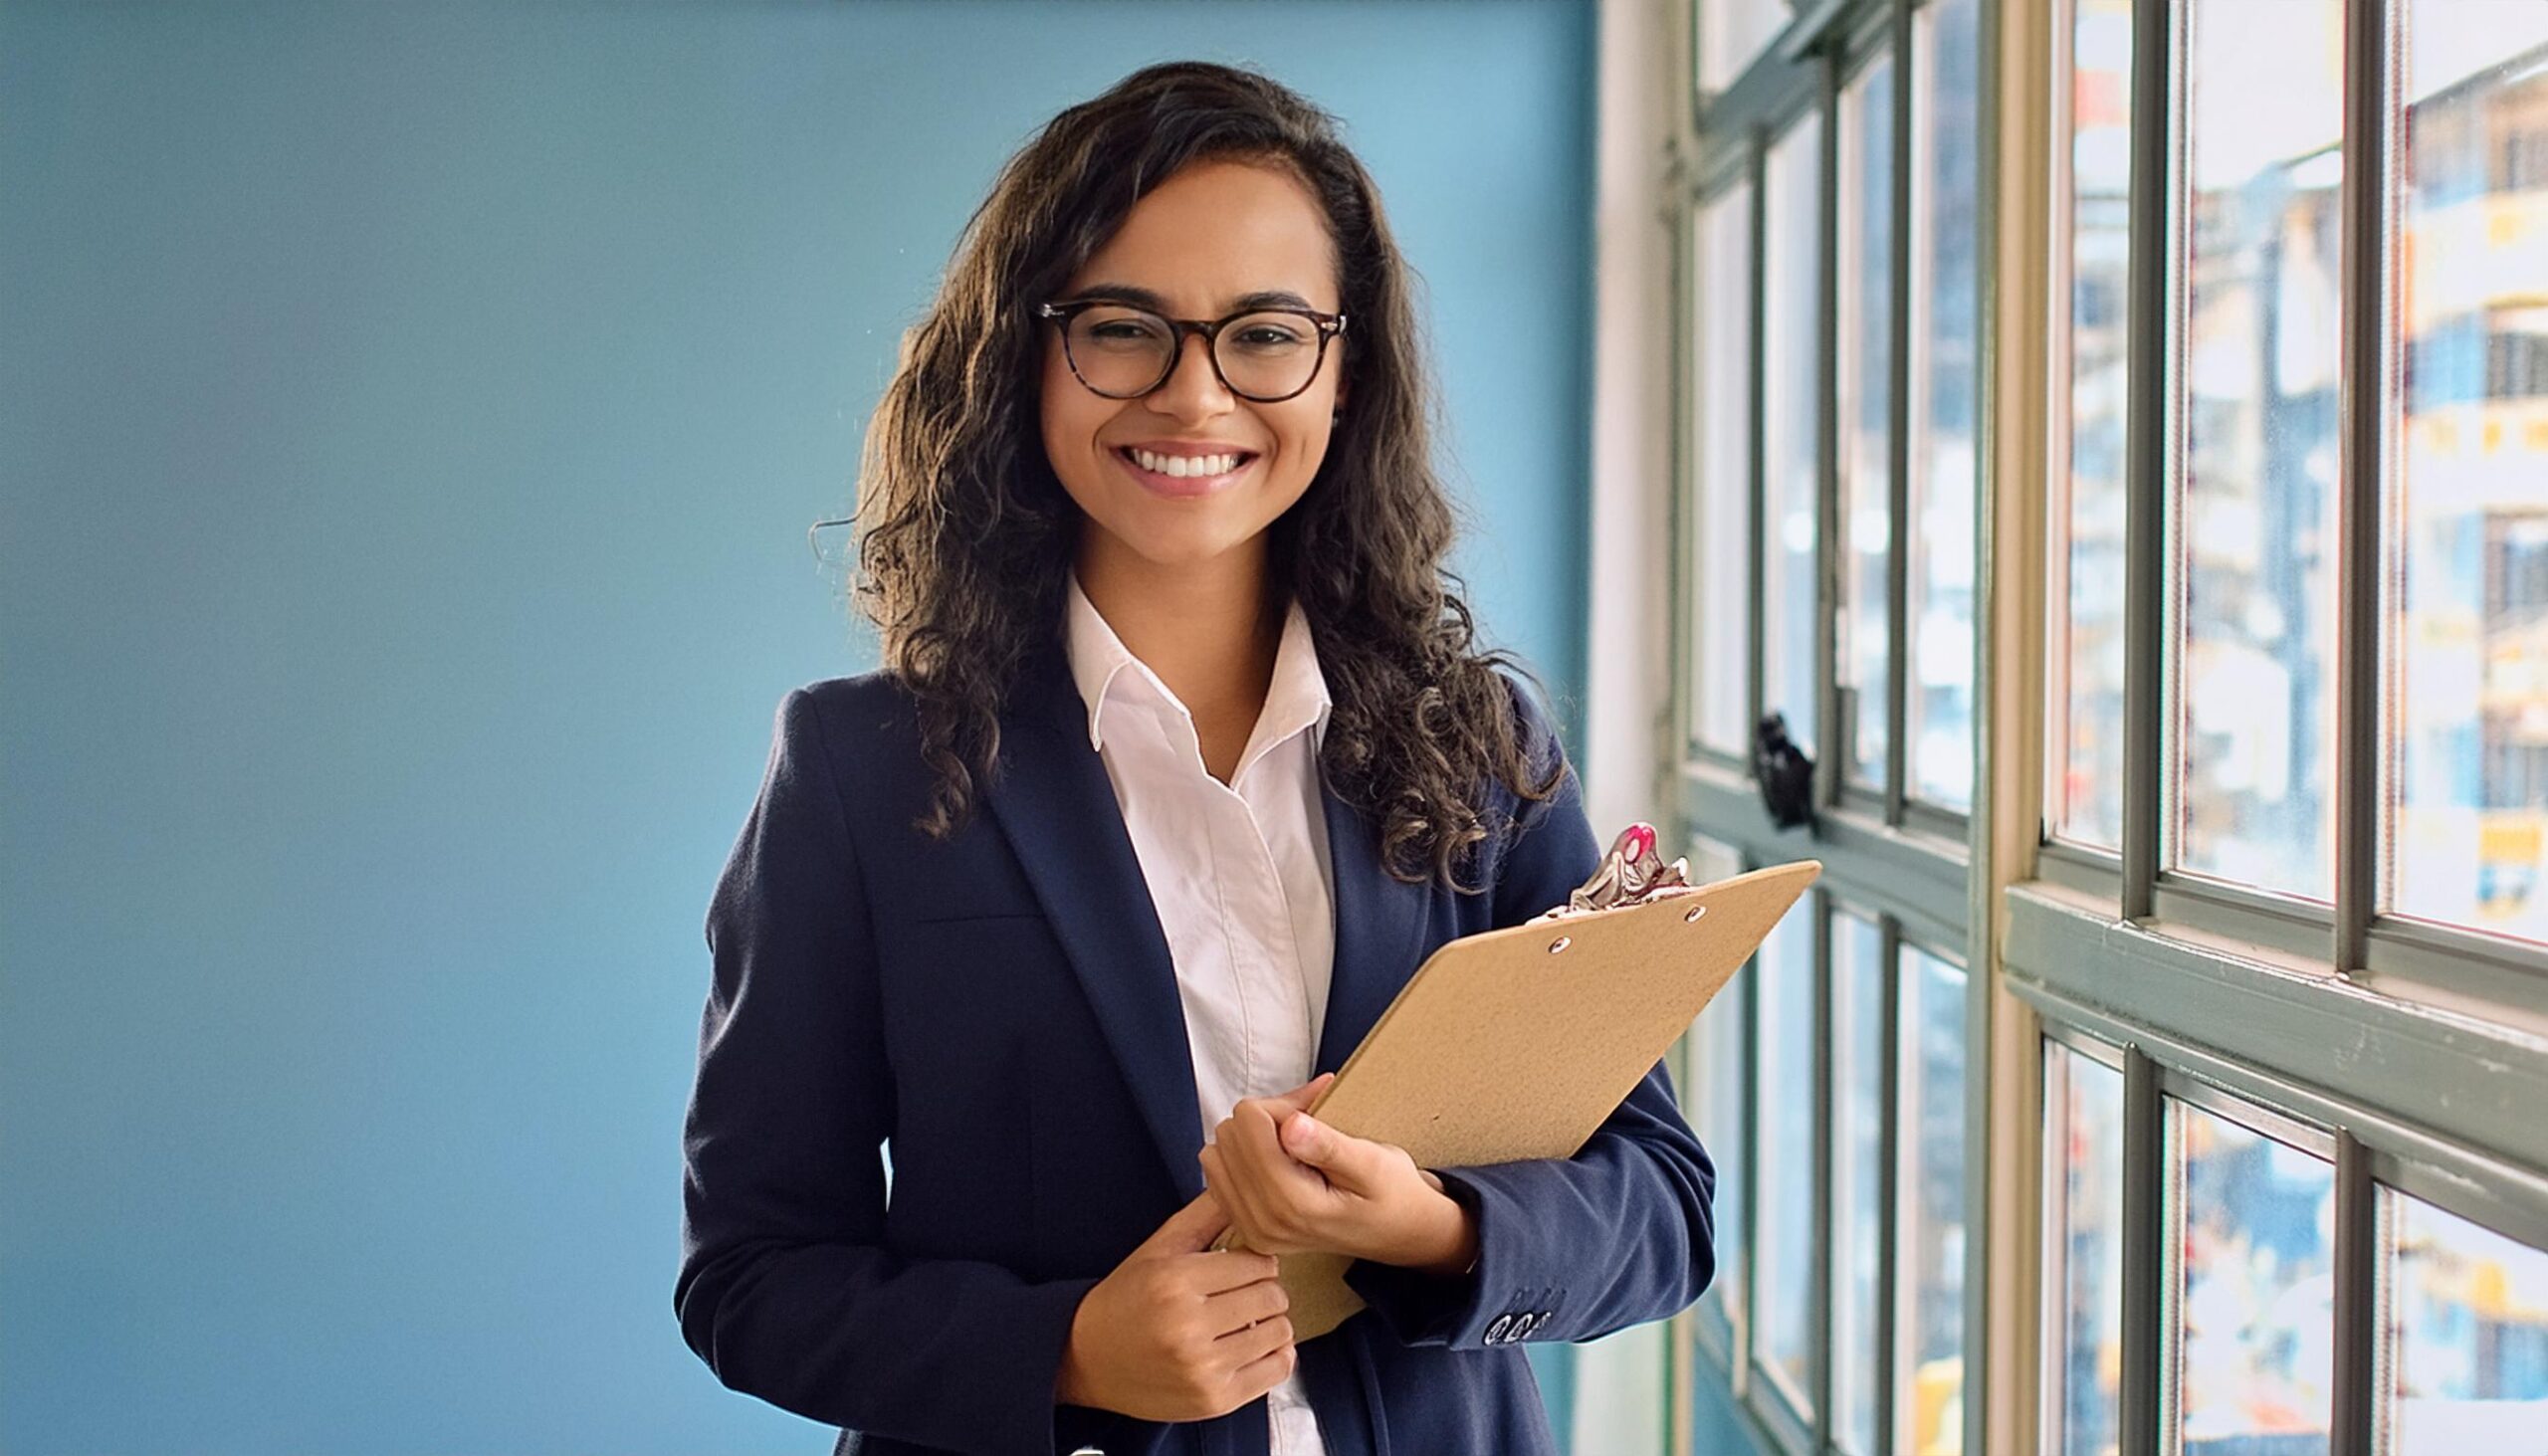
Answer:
(1184, 475)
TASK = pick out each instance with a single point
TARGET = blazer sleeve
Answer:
(786, 1287)
(1569, 1249)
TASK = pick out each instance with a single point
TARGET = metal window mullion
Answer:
(1755, 685)
(1748, 1268)
(1831, 734)
(2357, 1322)
(2144, 1245)
(2146, 467)
(1888, 1182)
(2364, 412)
(1897, 584)
(1824, 1067)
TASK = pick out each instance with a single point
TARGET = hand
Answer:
(1293, 1184)
(1178, 1333)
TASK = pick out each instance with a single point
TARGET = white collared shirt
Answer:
(1239, 875)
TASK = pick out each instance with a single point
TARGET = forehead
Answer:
(1216, 232)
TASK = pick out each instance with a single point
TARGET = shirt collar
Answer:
(1295, 700)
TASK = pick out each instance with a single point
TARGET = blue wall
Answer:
(411, 418)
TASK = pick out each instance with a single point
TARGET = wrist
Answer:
(1452, 1249)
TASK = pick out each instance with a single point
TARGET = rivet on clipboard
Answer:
(1633, 873)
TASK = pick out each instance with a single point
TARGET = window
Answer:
(2083, 1250)
(1832, 410)
(1720, 302)
(2468, 834)
(2257, 846)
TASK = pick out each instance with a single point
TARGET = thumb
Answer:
(1190, 1230)
(1347, 1162)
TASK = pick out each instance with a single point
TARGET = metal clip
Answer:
(1633, 873)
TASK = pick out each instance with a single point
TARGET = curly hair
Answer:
(966, 536)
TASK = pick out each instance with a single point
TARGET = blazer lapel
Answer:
(1055, 802)
(1376, 919)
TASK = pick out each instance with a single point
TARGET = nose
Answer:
(1193, 390)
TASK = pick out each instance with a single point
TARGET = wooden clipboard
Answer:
(1520, 1043)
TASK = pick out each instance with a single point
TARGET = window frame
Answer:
(2412, 1052)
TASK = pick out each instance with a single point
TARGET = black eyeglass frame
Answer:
(1328, 326)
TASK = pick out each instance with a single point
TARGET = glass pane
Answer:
(2254, 1312)
(1857, 1155)
(1946, 212)
(2469, 1336)
(2468, 843)
(1720, 640)
(1783, 1310)
(1717, 1074)
(2085, 799)
(1929, 1373)
(2083, 1112)
(1865, 411)
(1790, 404)
(2255, 516)
(1732, 34)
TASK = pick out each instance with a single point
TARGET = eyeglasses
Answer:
(1123, 352)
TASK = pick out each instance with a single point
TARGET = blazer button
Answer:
(1495, 1332)
(1523, 1326)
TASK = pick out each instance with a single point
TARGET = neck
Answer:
(1209, 630)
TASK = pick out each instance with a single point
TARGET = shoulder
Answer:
(857, 736)
(851, 711)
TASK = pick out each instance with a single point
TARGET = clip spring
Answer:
(1633, 873)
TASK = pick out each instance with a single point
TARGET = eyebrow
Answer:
(1124, 292)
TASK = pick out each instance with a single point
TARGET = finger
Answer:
(1235, 1309)
(1238, 1188)
(1303, 1095)
(1252, 1342)
(1190, 1230)
(1265, 1372)
(1214, 1275)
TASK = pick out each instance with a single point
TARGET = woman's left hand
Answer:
(1292, 1184)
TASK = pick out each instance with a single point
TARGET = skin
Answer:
(1177, 1332)
(1182, 582)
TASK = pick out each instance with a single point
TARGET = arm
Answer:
(1620, 1234)
(785, 1288)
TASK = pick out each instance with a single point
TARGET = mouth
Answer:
(1183, 486)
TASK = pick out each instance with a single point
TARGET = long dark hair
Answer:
(967, 536)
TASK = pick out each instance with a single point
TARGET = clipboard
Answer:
(1519, 1043)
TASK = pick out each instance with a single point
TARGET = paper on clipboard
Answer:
(1518, 1043)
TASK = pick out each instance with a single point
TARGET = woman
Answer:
(1180, 764)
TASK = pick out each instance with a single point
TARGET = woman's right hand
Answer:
(1177, 1332)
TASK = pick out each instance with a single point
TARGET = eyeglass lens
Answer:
(1127, 352)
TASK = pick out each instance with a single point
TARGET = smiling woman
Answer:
(1153, 536)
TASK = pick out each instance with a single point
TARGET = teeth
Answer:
(1182, 465)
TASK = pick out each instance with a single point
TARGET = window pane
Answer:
(2468, 1335)
(1732, 34)
(2470, 840)
(2083, 1112)
(1865, 411)
(1790, 404)
(1946, 210)
(2254, 1313)
(1717, 1073)
(1720, 640)
(1857, 1155)
(1783, 1138)
(2255, 518)
(1929, 1330)
(2085, 798)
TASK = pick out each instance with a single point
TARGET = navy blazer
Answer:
(999, 1011)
